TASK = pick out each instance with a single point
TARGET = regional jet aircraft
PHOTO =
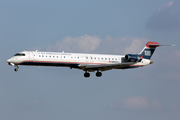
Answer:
(85, 62)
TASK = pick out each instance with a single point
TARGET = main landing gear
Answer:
(98, 74)
(86, 74)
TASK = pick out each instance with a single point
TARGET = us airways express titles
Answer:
(85, 62)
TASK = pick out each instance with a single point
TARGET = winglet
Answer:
(149, 49)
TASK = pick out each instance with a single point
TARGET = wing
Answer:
(104, 67)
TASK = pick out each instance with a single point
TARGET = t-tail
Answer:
(146, 53)
(148, 50)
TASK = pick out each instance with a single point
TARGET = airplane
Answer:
(85, 62)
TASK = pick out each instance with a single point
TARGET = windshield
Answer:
(19, 54)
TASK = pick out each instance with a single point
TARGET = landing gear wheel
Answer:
(86, 74)
(16, 69)
(98, 74)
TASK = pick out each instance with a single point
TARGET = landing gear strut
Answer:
(98, 74)
(86, 74)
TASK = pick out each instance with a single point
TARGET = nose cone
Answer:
(8, 61)
(151, 62)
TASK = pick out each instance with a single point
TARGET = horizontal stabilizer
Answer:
(154, 44)
(169, 45)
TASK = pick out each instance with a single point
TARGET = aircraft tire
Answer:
(86, 74)
(98, 74)
(15, 69)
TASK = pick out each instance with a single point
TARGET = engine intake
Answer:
(131, 58)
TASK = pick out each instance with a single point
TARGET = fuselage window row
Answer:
(72, 57)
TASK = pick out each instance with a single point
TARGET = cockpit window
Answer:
(19, 54)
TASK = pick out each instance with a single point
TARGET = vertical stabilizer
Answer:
(149, 49)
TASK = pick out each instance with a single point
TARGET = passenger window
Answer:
(109, 58)
(49, 56)
(105, 58)
(94, 57)
(42, 55)
(86, 57)
(102, 58)
(57, 56)
(112, 58)
(78, 57)
(91, 57)
(116, 59)
(39, 55)
(64, 56)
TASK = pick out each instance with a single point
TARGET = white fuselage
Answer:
(73, 60)
(86, 62)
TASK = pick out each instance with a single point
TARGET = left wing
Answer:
(104, 67)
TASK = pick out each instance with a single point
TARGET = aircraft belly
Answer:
(127, 67)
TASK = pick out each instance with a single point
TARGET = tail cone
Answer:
(151, 61)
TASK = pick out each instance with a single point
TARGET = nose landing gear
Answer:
(16, 69)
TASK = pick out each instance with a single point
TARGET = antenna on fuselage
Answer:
(37, 50)
(62, 51)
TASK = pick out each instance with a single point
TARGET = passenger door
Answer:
(31, 56)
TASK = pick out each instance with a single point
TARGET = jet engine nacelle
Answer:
(131, 58)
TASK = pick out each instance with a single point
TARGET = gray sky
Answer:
(96, 26)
